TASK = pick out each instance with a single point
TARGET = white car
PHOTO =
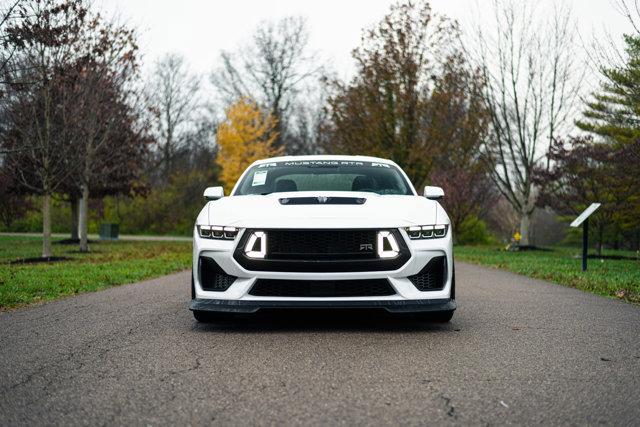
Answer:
(323, 232)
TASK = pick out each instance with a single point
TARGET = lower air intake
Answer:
(212, 276)
(433, 276)
(321, 288)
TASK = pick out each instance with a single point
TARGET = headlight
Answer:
(437, 231)
(217, 232)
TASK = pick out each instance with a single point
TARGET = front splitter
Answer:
(394, 306)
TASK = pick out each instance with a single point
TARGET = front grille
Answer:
(433, 276)
(213, 277)
(321, 250)
(315, 244)
(321, 288)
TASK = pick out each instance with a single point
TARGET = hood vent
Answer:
(322, 200)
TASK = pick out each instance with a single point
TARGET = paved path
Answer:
(132, 237)
(518, 351)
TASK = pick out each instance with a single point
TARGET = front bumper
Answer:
(407, 297)
(392, 306)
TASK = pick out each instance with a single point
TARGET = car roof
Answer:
(324, 157)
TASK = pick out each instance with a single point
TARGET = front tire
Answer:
(202, 316)
(445, 316)
(453, 283)
(193, 287)
(205, 316)
(441, 316)
(211, 316)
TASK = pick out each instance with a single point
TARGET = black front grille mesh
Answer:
(213, 277)
(321, 250)
(432, 276)
(318, 244)
(321, 288)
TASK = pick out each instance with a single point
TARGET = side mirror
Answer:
(213, 193)
(433, 193)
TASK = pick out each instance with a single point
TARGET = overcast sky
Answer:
(199, 29)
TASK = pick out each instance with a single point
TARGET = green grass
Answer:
(612, 278)
(108, 264)
(115, 263)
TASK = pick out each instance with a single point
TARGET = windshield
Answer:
(323, 175)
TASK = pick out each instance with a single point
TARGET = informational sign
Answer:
(583, 219)
(586, 214)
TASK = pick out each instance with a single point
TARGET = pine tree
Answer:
(614, 111)
(613, 114)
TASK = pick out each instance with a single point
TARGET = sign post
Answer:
(585, 243)
(584, 220)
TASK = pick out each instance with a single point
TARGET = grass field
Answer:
(612, 278)
(108, 264)
(116, 263)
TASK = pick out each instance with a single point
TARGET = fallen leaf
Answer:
(621, 294)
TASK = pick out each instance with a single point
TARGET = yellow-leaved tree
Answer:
(246, 135)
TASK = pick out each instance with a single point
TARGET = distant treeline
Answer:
(486, 112)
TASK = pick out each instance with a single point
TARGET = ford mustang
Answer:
(323, 232)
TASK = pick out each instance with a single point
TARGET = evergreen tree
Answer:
(613, 114)
(614, 111)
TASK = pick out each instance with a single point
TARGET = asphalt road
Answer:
(518, 351)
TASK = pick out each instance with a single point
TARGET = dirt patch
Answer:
(518, 248)
(72, 242)
(613, 257)
(79, 252)
(40, 260)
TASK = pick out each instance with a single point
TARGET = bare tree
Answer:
(531, 87)
(271, 70)
(9, 13)
(308, 121)
(67, 103)
(42, 39)
(604, 51)
(174, 101)
(107, 137)
(630, 9)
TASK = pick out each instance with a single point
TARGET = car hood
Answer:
(257, 211)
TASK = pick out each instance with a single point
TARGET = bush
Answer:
(171, 209)
(473, 231)
(31, 220)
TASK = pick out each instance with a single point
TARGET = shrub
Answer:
(473, 231)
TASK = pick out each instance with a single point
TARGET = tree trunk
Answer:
(84, 217)
(525, 228)
(75, 206)
(46, 226)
